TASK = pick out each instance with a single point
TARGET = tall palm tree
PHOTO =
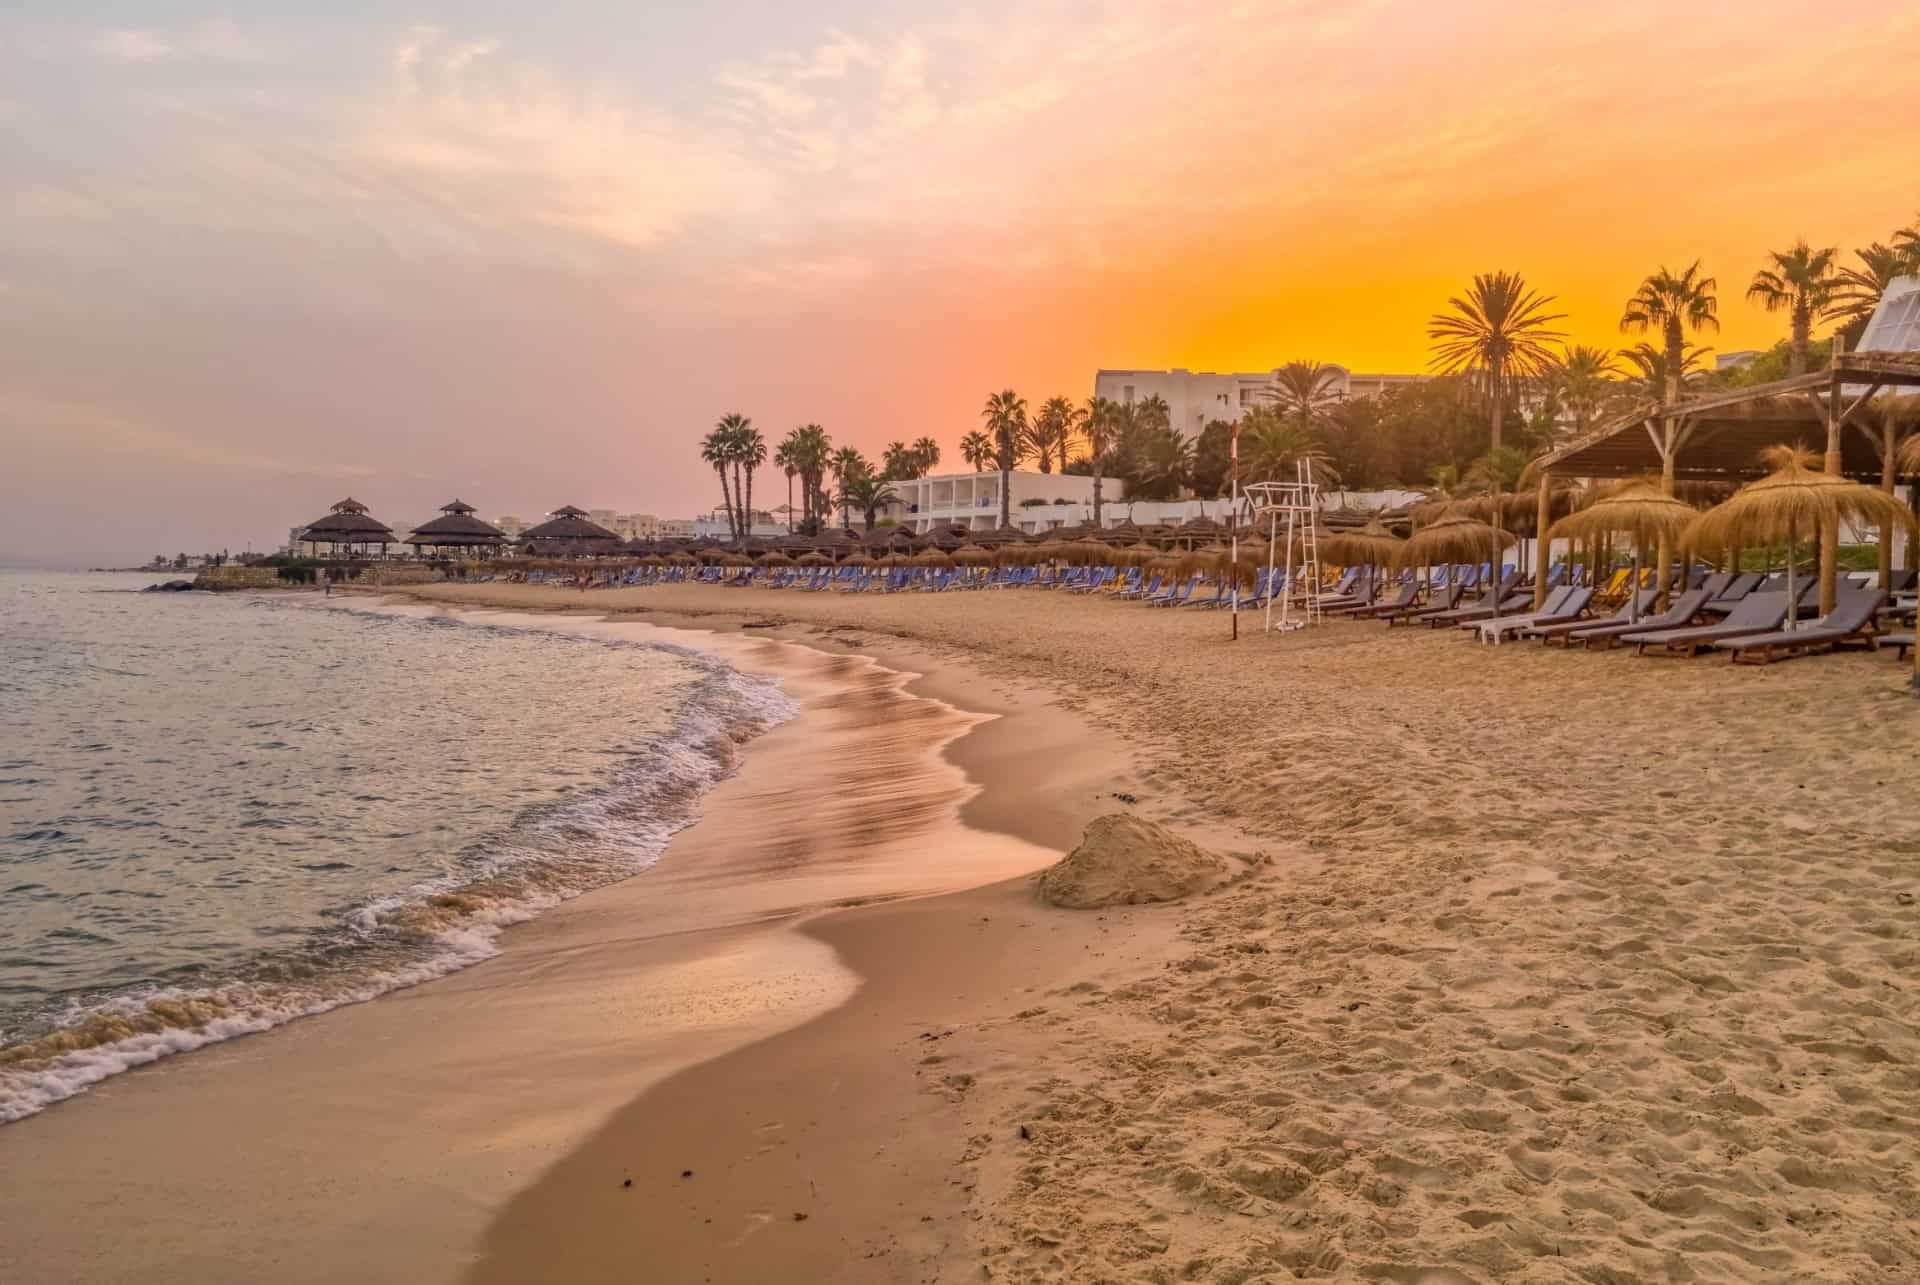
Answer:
(732, 429)
(976, 448)
(1907, 242)
(751, 452)
(1859, 289)
(1673, 303)
(1496, 335)
(1167, 464)
(716, 448)
(1802, 283)
(1006, 417)
(786, 458)
(926, 455)
(896, 462)
(1648, 381)
(847, 464)
(814, 451)
(1307, 392)
(1100, 426)
(1052, 431)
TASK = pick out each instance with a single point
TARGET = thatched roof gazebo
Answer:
(568, 532)
(1642, 512)
(348, 526)
(456, 530)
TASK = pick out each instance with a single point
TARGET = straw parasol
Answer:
(931, 558)
(1089, 551)
(972, 555)
(1640, 510)
(774, 559)
(1373, 545)
(858, 560)
(814, 559)
(1795, 497)
(1453, 538)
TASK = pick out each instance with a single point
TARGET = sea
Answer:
(222, 812)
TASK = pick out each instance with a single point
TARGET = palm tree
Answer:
(1648, 380)
(751, 454)
(814, 451)
(1100, 426)
(1006, 416)
(1907, 242)
(847, 464)
(867, 492)
(1672, 303)
(733, 429)
(1052, 430)
(896, 461)
(976, 448)
(786, 459)
(926, 455)
(1496, 335)
(1859, 289)
(1167, 463)
(1584, 381)
(1306, 391)
(716, 448)
(1802, 283)
(1275, 442)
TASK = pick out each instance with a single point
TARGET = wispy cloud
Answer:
(217, 39)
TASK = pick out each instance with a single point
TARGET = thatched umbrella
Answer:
(858, 560)
(1453, 538)
(931, 558)
(814, 559)
(972, 555)
(1792, 498)
(1090, 552)
(1642, 511)
(774, 559)
(683, 559)
(1373, 545)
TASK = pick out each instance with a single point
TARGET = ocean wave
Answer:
(552, 853)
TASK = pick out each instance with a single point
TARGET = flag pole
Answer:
(1233, 526)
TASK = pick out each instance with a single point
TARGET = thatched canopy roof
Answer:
(1640, 510)
(972, 555)
(457, 527)
(569, 526)
(347, 522)
(1371, 544)
(1721, 435)
(1795, 499)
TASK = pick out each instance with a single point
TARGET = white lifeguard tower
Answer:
(1292, 513)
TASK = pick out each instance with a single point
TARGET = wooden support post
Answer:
(1888, 448)
(1664, 572)
(1542, 547)
(1830, 531)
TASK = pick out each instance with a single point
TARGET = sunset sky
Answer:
(257, 258)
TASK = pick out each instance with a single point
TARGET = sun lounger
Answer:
(1465, 617)
(1757, 613)
(1564, 604)
(1487, 604)
(1851, 620)
(1404, 599)
(1445, 598)
(1566, 632)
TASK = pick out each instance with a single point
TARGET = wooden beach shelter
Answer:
(457, 532)
(1852, 406)
(1642, 512)
(349, 527)
(1792, 500)
(567, 532)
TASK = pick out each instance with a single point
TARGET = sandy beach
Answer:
(1560, 968)
(1569, 967)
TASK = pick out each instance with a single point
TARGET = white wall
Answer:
(1195, 397)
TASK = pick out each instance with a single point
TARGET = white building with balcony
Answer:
(973, 499)
(1196, 397)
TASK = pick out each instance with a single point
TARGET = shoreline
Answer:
(768, 977)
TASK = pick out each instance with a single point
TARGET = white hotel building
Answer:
(1195, 397)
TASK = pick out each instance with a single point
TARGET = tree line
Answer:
(1505, 387)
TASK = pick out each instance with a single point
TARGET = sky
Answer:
(254, 259)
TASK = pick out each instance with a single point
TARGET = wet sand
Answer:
(376, 1142)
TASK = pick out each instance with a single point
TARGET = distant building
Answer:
(1735, 360)
(674, 529)
(1196, 397)
(973, 499)
(510, 526)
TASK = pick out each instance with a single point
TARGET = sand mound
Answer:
(1123, 860)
